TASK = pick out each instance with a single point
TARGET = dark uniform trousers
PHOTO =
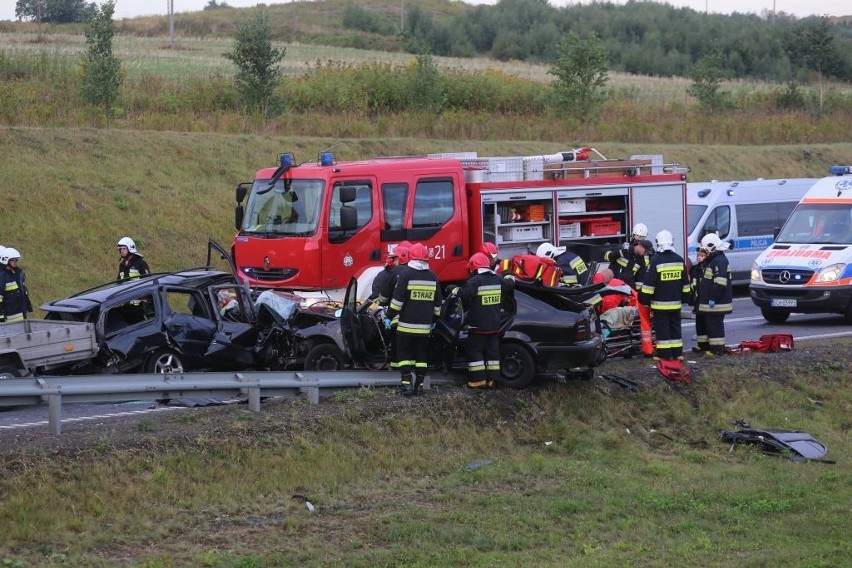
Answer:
(483, 351)
(667, 329)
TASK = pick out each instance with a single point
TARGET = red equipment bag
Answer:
(771, 343)
(532, 268)
(674, 371)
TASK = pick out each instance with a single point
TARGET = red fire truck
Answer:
(312, 226)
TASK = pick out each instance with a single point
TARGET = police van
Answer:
(746, 214)
(809, 267)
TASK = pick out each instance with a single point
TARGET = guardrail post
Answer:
(54, 402)
(311, 393)
(253, 392)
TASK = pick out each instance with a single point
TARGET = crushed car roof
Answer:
(94, 297)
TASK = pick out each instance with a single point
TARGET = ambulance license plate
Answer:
(783, 302)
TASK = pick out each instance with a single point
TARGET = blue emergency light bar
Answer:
(840, 170)
(285, 159)
(326, 159)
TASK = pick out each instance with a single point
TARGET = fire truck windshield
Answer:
(291, 207)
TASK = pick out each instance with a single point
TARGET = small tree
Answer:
(257, 62)
(426, 89)
(580, 70)
(810, 45)
(102, 74)
(707, 75)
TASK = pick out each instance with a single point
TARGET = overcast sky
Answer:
(131, 8)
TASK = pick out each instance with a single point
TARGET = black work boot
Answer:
(406, 386)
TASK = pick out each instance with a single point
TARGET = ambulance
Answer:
(808, 269)
(745, 214)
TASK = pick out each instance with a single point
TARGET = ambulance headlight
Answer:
(755, 273)
(831, 273)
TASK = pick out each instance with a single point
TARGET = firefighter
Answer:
(664, 290)
(695, 273)
(132, 265)
(482, 297)
(715, 296)
(624, 262)
(415, 304)
(14, 297)
(643, 249)
(574, 270)
(383, 278)
(401, 252)
(490, 250)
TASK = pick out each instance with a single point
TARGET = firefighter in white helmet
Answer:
(624, 262)
(131, 265)
(14, 297)
(574, 269)
(714, 296)
(664, 290)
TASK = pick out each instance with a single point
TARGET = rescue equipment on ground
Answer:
(769, 343)
(674, 370)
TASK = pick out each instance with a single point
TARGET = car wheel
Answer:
(164, 361)
(517, 367)
(8, 371)
(848, 315)
(774, 316)
(324, 357)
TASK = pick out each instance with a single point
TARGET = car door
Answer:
(352, 339)
(189, 322)
(236, 336)
(130, 326)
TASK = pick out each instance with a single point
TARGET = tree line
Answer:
(643, 38)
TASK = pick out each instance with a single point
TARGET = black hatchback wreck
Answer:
(169, 323)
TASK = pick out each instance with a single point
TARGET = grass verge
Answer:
(565, 475)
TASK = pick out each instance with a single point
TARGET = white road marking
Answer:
(93, 417)
(822, 336)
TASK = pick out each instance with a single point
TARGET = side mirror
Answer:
(347, 193)
(348, 218)
(242, 191)
(239, 212)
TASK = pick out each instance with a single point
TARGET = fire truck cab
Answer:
(312, 226)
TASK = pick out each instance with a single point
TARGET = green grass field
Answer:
(580, 474)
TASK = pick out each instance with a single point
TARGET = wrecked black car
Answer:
(545, 331)
(169, 323)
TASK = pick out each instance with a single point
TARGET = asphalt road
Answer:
(745, 323)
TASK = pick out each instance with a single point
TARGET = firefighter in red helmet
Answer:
(490, 250)
(415, 305)
(482, 297)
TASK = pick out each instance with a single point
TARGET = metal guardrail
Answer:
(106, 388)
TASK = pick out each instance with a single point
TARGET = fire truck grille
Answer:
(786, 276)
(269, 275)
